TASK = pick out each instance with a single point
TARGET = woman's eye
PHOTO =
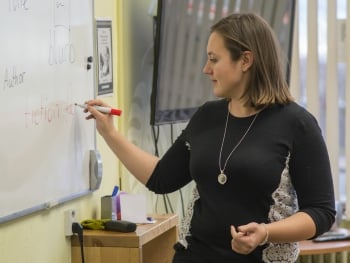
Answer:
(213, 60)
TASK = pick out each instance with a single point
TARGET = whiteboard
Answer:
(44, 139)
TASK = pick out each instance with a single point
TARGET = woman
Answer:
(259, 162)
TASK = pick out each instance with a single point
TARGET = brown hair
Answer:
(250, 32)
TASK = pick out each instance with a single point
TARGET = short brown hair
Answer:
(250, 32)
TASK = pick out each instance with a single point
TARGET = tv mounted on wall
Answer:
(182, 30)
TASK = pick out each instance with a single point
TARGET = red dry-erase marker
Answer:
(107, 110)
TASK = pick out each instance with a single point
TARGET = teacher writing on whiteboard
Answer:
(259, 161)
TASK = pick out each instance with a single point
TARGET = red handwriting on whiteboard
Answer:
(47, 113)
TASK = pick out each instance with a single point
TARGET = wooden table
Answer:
(309, 248)
(150, 243)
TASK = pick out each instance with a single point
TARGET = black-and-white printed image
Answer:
(104, 49)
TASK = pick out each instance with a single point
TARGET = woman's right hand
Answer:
(104, 122)
(139, 162)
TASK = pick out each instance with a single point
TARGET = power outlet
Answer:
(69, 219)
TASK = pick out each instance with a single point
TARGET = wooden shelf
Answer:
(309, 247)
(150, 243)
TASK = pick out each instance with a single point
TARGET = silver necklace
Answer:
(222, 177)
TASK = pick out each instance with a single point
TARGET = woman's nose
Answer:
(207, 69)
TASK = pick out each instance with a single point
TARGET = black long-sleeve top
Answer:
(281, 167)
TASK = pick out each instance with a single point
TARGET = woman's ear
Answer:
(247, 60)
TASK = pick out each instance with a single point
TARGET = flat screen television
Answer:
(181, 33)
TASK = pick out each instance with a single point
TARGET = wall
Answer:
(40, 237)
(138, 16)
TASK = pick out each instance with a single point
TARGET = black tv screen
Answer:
(182, 28)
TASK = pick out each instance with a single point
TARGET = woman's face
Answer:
(227, 76)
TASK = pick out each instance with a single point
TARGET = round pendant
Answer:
(222, 178)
